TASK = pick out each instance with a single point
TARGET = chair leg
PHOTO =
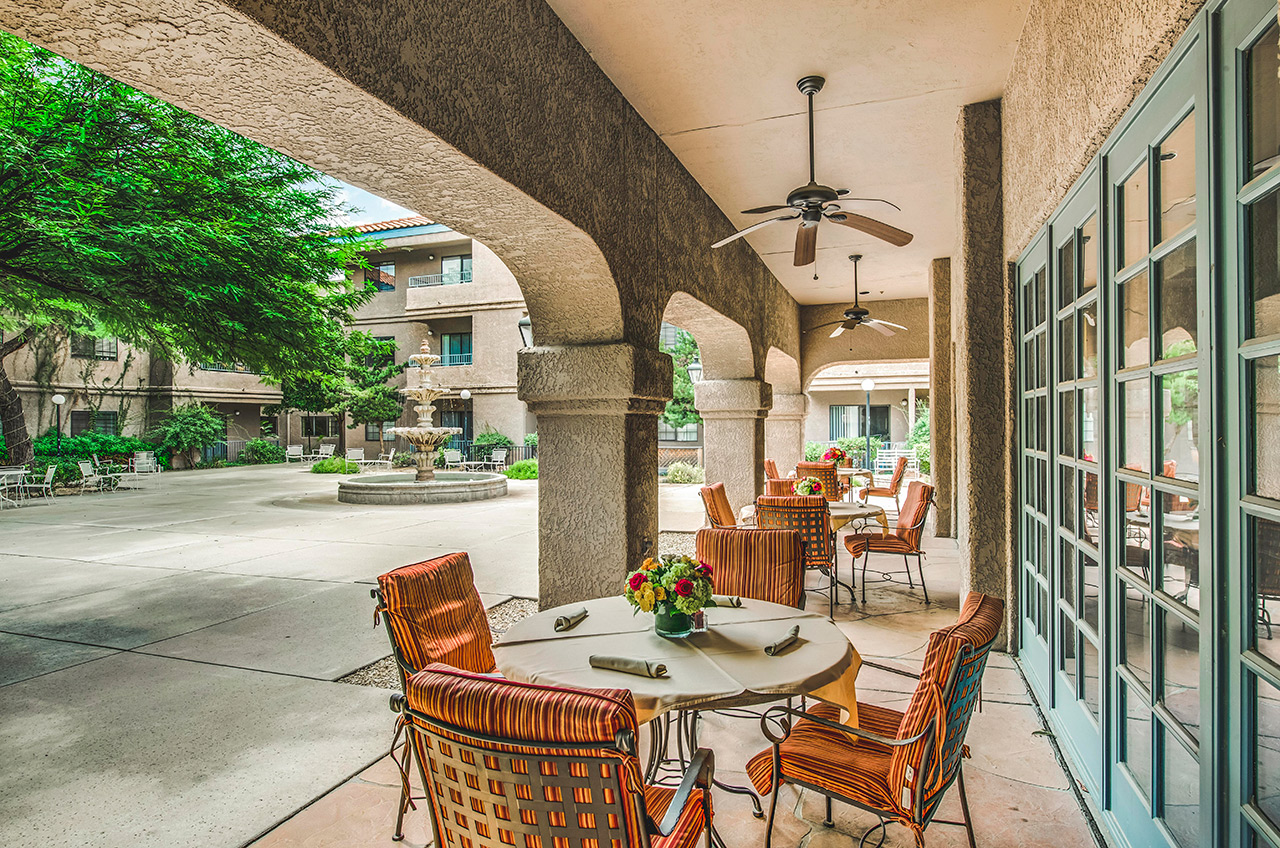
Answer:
(920, 567)
(964, 809)
(865, 557)
(911, 583)
(828, 821)
(773, 800)
(404, 790)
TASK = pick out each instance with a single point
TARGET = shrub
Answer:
(404, 460)
(531, 440)
(922, 455)
(68, 472)
(335, 465)
(684, 472)
(525, 469)
(261, 452)
(857, 449)
(108, 447)
(188, 428)
(483, 444)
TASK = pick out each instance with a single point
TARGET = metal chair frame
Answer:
(780, 716)
(480, 748)
(918, 553)
(828, 569)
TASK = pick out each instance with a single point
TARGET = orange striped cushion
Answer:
(436, 614)
(913, 513)
(858, 543)
(771, 470)
(767, 565)
(780, 488)
(717, 503)
(689, 829)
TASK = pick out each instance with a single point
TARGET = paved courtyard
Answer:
(168, 658)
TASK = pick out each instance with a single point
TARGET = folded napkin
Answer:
(629, 665)
(569, 621)
(726, 601)
(785, 642)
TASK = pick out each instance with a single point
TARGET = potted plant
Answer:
(673, 588)
(807, 486)
(837, 455)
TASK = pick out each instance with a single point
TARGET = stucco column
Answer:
(597, 408)
(733, 414)
(941, 441)
(784, 430)
(982, 362)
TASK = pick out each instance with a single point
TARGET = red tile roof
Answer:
(395, 224)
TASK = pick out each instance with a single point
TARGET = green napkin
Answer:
(570, 620)
(629, 665)
(726, 601)
(785, 642)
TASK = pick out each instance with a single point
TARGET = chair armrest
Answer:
(700, 773)
(779, 716)
(891, 669)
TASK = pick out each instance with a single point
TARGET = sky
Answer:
(372, 208)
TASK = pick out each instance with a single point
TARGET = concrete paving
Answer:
(167, 653)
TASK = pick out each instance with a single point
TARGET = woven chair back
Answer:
(826, 474)
(809, 515)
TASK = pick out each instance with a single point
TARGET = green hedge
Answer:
(335, 465)
(107, 446)
(261, 452)
(684, 472)
(525, 469)
(856, 448)
(483, 444)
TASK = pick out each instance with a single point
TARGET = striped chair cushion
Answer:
(895, 482)
(808, 514)
(771, 470)
(780, 488)
(767, 565)
(690, 828)
(859, 543)
(911, 518)
(719, 512)
(436, 615)
(832, 489)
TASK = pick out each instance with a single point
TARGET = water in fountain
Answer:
(427, 440)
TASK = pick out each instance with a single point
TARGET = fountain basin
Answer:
(448, 487)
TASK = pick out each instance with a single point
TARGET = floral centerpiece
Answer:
(673, 588)
(835, 454)
(807, 486)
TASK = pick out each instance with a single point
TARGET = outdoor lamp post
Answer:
(867, 386)
(526, 331)
(58, 401)
(694, 370)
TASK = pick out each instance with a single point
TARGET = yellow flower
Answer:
(646, 601)
(660, 593)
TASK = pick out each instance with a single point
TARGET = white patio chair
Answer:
(326, 451)
(452, 458)
(90, 479)
(497, 460)
(356, 455)
(11, 477)
(34, 484)
(294, 452)
(144, 462)
(384, 459)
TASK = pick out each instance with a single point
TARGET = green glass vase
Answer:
(670, 623)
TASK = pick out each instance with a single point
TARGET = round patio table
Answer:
(846, 475)
(843, 513)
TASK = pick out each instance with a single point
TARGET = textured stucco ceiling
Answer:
(716, 79)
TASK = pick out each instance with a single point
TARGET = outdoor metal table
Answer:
(846, 513)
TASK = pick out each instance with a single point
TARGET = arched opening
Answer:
(841, 408)
(784, 426)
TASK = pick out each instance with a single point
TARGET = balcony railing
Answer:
(455, 359)
(453, 278)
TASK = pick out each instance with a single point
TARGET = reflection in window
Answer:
(1137, 529)
(1067, 651)
(1264, 225)
(1135, 401)
(1067, 348)
(1089, 251)
(1135, 214)
(1181, 392)
(1264, 102)
(1137, 737)
(1177, 156)
(1181, 792)
(1089, 508)
(1176, 280)
(1089, 341)
(1180, 663)
(1136, 636)
(1134, 323)
(1266, 750)
(1067, 422)
(1265, 380)
(1089, 671)
(1090, 417)
(1090, 588)
(1265, 542)
(382, 275)
(1180, 548)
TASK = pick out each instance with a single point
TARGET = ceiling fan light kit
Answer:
(814, 202)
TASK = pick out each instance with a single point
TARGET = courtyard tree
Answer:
(187, 429)
(122, 215)
(680, 410)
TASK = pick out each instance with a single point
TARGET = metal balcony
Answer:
(453, 278)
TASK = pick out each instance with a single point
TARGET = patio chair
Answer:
(780, 488)
(325, 452)
(893, 764)
(11, 477)
(385, 459)
(90, 479)
(771, 471)
(811, 516)
(904, 539)
(716, 503)
(767, 565)
(452, 458)
(144, 462)
(294, 452)
(832, 488)
(433, 614)
(497, 460)
(518, 764)
(889, 490)
(34, 484)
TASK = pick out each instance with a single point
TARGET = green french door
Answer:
(1249, 70)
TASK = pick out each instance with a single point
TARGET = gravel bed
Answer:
(383, 673)
(671, 542)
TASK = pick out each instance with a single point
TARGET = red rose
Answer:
(684, 587)
(636, 581)
(704, 569)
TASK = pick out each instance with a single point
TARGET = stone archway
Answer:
(784, 427)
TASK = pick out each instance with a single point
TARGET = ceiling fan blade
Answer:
(806, 245)
(740, 233)
(872, 227)
(879, 327)
(760, 210)
(881, 321)
(844, 199)
(837, 331)
(822, 326)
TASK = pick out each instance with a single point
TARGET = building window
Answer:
(319, 426)
(848, 421)
(231, 367)
(378, 432)
(455, 270)
(669, 336)
(460, 418)
(380, 360)
(87, 347)
(88, 421)
(683, 433)
(382, 275)
(455, 349)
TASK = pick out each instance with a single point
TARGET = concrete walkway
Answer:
(167, 653)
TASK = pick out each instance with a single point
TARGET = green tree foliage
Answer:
(261, 452)
(485, 441)
(680, 411)
(187, 429)
(919, 434)
(122, 215)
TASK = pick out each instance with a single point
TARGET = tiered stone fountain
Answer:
(426, 486)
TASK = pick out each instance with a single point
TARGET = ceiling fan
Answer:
(857, 316)
(811, 203)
